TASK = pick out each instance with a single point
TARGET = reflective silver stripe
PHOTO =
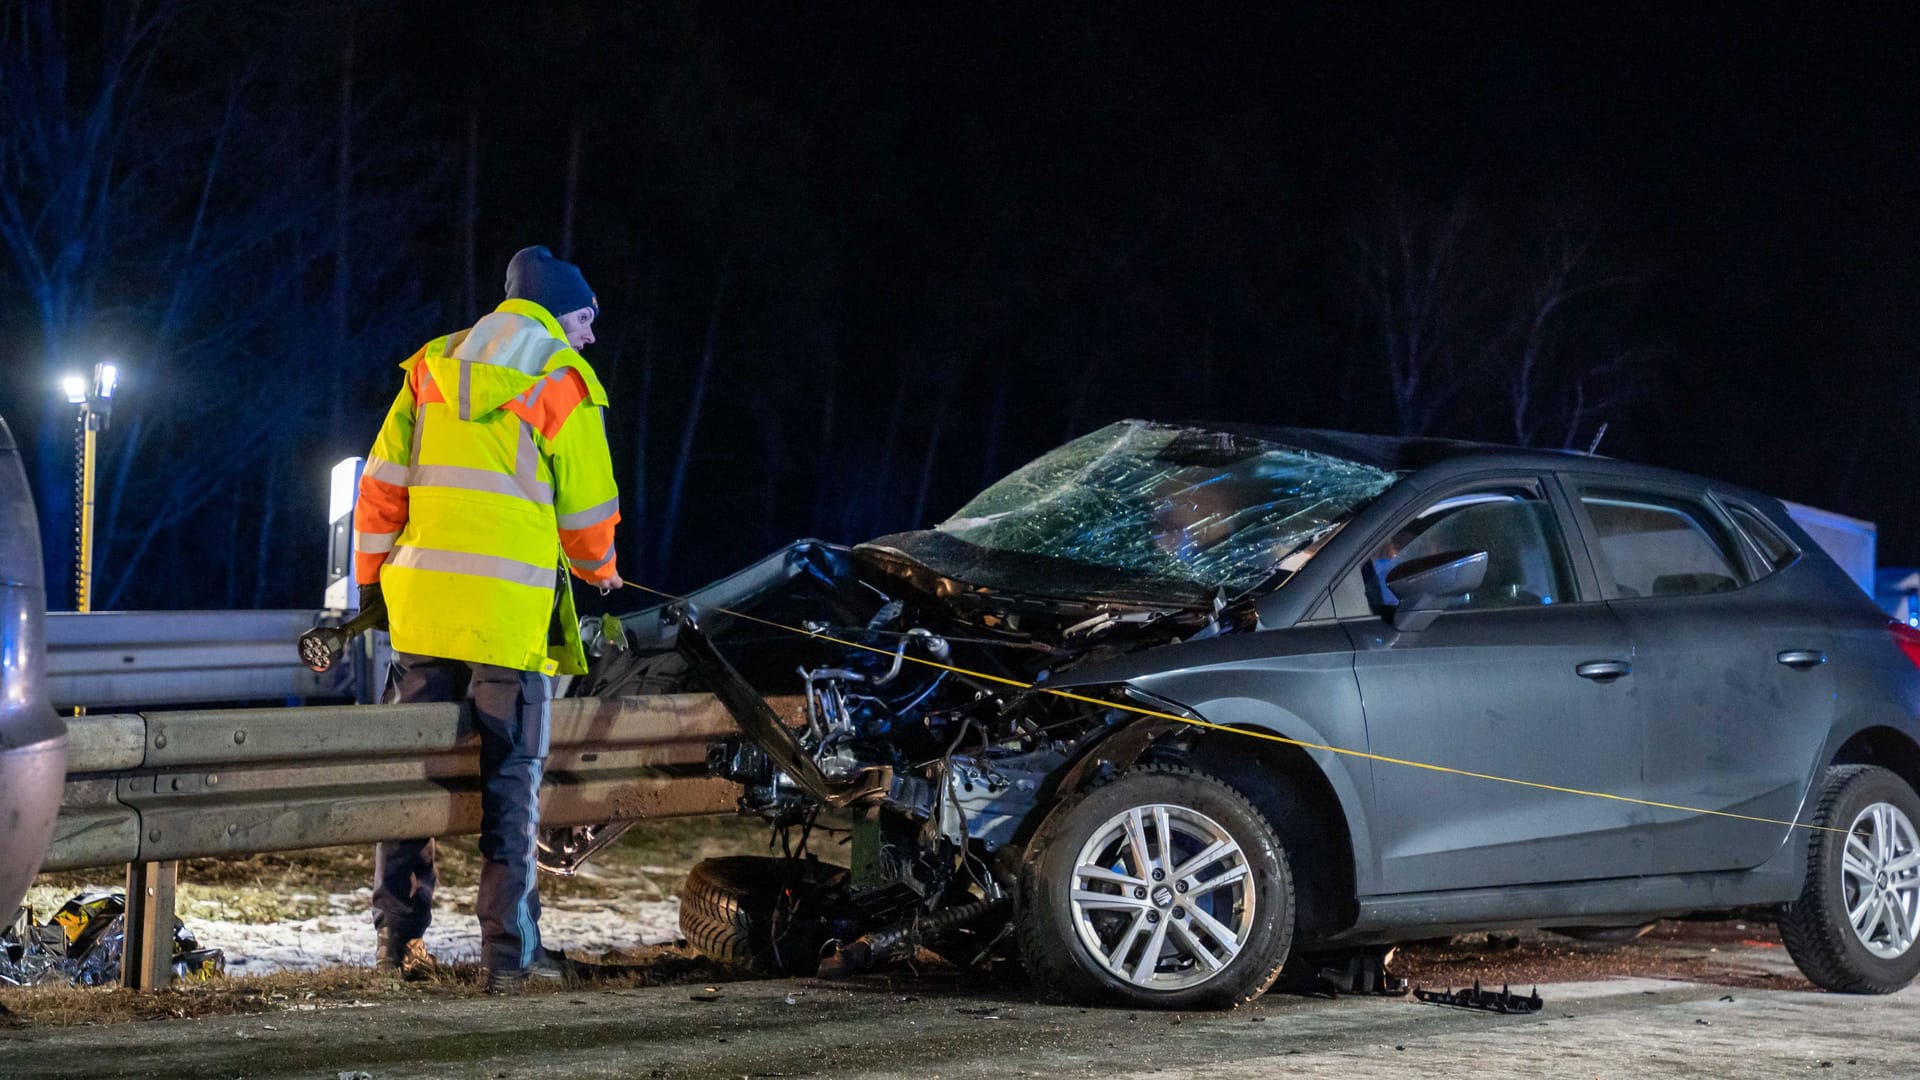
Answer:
(390, 472)
(593, 515)
(367, 543)
(532, 396)
(466, 390)
(460, 476)
(593, 564)
(526, 462)
(462, 562)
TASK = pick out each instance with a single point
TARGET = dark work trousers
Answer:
(510, 711)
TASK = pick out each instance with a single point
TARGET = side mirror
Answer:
(1425, 586)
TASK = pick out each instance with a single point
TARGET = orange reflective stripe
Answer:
(382, 507)
(590, 549)
(550, 401)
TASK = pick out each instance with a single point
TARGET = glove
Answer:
(371, 597)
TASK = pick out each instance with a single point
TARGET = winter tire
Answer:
(1853, 929)
(1164, 888)
(759, 915)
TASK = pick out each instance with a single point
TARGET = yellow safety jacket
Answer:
(490, 470)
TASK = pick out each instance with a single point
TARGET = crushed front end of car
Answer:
(927, 740)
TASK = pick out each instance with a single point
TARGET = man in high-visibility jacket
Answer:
(489, 478)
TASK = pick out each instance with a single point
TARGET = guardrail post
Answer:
(146, 960)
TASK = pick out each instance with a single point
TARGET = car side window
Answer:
(1775, 550)
(1660, 545)
(1526, 554)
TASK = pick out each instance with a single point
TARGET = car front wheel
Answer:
(1164, 888)
(1855, 925)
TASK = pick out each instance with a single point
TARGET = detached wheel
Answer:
(1164, 888)
(760, 915)
(1854, 926)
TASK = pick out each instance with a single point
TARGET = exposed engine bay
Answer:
(928, 735)
(935, 770)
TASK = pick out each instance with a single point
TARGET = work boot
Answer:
(406, 955)
(548, 966)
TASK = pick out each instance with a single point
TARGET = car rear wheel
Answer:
(1164, 888)
(1855, 925)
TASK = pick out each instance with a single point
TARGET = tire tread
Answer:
(1821, 946)
(726, 913)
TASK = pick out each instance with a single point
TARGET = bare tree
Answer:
(1515, 334)
(167, 221)
(1422, 291)
(683, 462)
(1556, 394)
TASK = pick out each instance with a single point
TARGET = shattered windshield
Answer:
(1171, 503)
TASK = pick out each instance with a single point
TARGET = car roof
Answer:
(1395, 453)
(1436, 459)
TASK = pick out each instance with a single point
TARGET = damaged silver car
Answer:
(1172, 704)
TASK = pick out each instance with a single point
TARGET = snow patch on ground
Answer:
(345, 934)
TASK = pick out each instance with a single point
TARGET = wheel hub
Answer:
(1162, 897)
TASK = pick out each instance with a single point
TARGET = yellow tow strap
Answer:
(1250, 733)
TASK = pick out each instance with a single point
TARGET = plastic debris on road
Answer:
(1503, 1002)
(82, 944)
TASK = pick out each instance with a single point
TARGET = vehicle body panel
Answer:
(33, 741)
(1427, 701)
(1297, 683)
(1729, 728)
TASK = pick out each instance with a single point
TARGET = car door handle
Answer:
(1802, 659)
(1603, 670)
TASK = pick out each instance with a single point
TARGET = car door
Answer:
(1528, 678)
(1732, 667)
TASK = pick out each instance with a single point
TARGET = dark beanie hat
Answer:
(534, 274)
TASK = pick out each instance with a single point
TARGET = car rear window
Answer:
(1658, 545)
(1775, 550)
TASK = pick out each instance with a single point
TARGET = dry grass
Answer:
(327, 988)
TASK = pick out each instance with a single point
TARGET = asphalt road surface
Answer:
(942, 1026)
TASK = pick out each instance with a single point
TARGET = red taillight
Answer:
(1908, 639)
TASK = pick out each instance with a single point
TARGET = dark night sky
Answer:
(1764, 169)
(971, 231)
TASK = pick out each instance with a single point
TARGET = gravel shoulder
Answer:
(936, 1025)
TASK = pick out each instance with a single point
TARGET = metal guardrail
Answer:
(121, 659)
(150, 789)
(161, 786)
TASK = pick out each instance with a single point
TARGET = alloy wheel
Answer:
(1163, 897)
(1880, 874)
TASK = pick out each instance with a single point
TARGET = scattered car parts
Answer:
(1475, 998)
